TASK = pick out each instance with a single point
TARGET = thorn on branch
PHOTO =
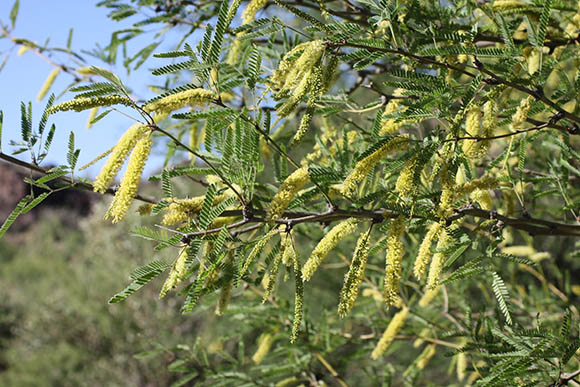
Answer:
(575, 129)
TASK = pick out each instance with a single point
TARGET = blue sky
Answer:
(22, 77)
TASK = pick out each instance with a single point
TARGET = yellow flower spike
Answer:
(304, 64)
(390, 125)
(354, 277)
(80, 104)
(192, 97)
(264, 344)
(289, 254)
(120, 152)
(438, 260)
(426, 355)
(273, 275)
(521, 114)
(424, 255)
(326, 244)
(364, 166)
(389, 335)
(288, 189)
(405, 185)
(178, 270)
(92, 115)
(483, 183)
(23, 49)
(461, 366)
(48, 83)
(429, 295)
(252, 8)
(298, 300)
(393, 259)
(130, 181)
(472, 127)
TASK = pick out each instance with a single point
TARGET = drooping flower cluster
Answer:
(118, 156)
(424, 255)
(394, 258)
(364, 166)
(252, 8)
(191, 97)
(288, 189)
(389, 335)
(354, 277)
(298, 76)
(178, 270)
(130, 182)
(438, 260)
(48, 83)
(391, 125)
(326, 244)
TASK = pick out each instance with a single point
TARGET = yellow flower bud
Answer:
(424, 255)
(48, 83)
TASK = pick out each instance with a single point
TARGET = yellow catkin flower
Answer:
(23, 49)
(273, 275)
(178, 270)
(489, 123)
(298, 301)
(289, 253)
(426, 355)
(264, 344)
(521, 114)
(483, 183)
(364, 166)
(296, 72)
(92, 115)
(461, 366)
(252, 8)
(131, 179)
(326, 244)
(279, 75)
(389, 335)
(419, 340)
(393, 259)
(424, 255)
(354, 277)
(405, 185)
(192, 97)
(438, 260)
(118, 156)
(48, 83)
(472, 127)
(181, 210)
(429, 295)
(310, 83)
(390, 125)
(80, 104)
(288, 189)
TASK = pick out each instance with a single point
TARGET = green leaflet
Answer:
(140, 277)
